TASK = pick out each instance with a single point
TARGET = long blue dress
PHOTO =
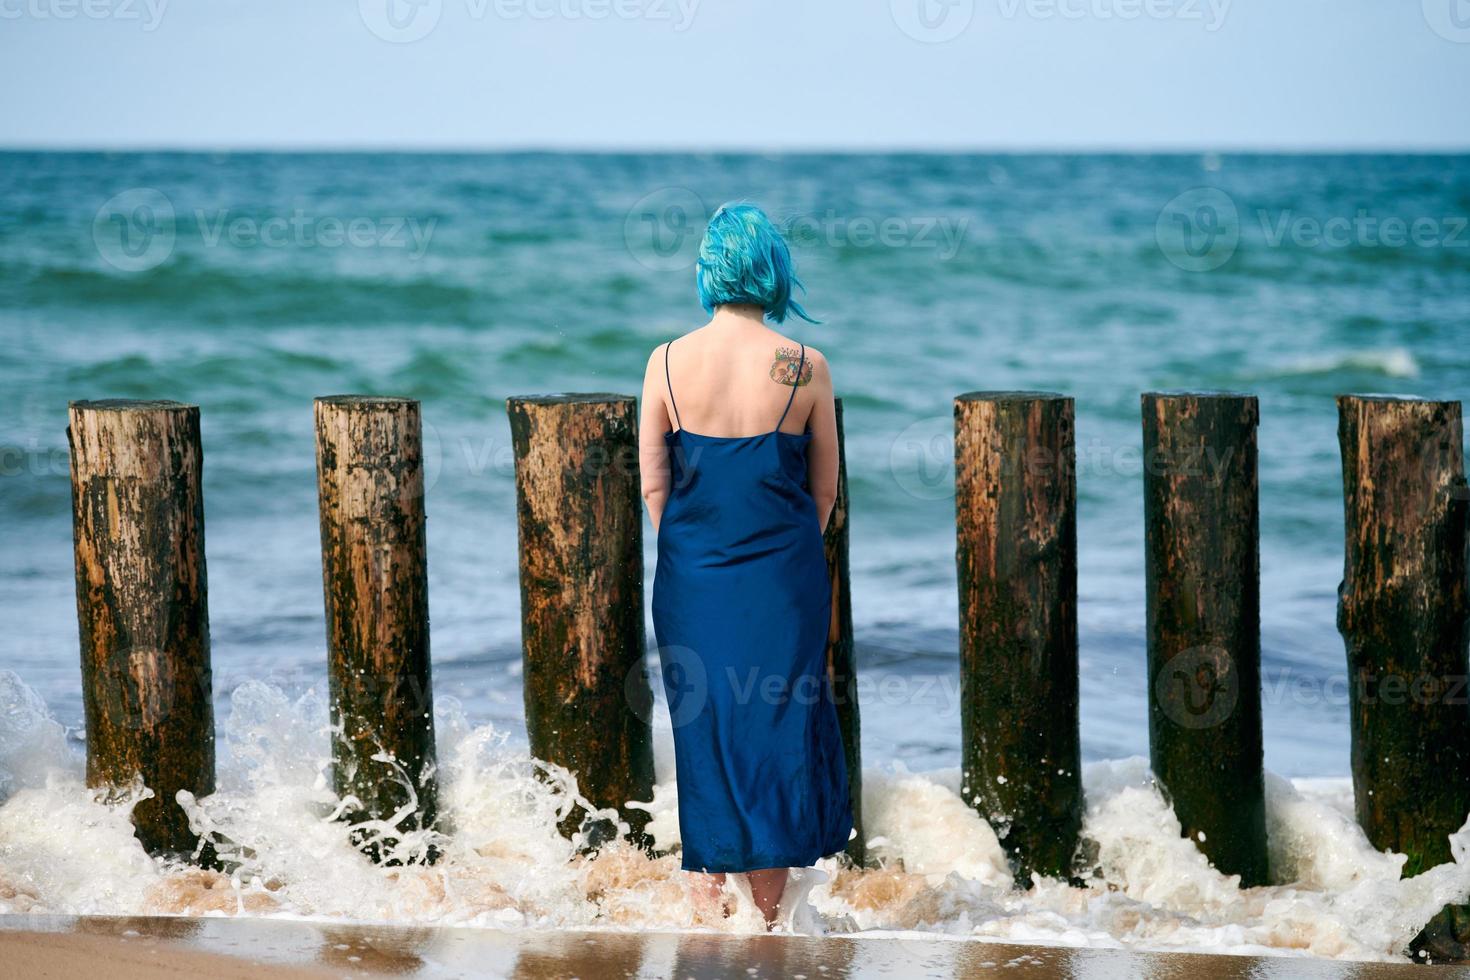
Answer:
(741, 607)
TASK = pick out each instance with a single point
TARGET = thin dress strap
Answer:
(795, 383)
(668, 381)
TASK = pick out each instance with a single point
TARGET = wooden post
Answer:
(841, 662)
(142, 609)
(581, 570)
(1202, 561)
(1402, 612)
(370, 483)
(1016, 512)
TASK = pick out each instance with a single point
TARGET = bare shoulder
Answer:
(793, 364)
(655, 365)
(690, 339)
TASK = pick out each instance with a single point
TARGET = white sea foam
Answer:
(63, 849)
(1392, 362)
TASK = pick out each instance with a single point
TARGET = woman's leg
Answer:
(766, 887)
(709, 892)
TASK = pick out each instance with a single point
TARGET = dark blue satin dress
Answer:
(741, 607)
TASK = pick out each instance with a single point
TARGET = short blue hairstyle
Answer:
(744, 259)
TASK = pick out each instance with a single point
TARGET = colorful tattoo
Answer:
(783, 368)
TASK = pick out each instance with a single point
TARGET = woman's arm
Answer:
(653, 455)
(822, 457)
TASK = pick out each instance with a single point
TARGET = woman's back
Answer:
(726, 383)
(736, 378)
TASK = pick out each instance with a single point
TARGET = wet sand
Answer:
(45, 947)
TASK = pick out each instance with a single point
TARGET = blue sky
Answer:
(749, 74)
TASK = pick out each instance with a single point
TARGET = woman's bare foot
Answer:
(766, 887)
(710, 900)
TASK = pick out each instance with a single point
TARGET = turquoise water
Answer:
(250, 283)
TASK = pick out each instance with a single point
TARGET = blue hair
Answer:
(744, 259)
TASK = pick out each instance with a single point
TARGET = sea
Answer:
(250, 283)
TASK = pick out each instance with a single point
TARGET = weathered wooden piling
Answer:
(841, 660)
(580, 522)
(1403, 615)
(1016, 518)
(370, 484)
(1202, 562)
(142, 609)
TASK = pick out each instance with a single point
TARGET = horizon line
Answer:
(469, 149)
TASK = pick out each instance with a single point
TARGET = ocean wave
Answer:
(189, 290)
(1393, 362)
(941, 868)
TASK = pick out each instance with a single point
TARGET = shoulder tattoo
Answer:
(783, 368)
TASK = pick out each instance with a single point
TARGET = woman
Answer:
(741, 598)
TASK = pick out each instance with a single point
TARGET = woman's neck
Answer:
(739, 316)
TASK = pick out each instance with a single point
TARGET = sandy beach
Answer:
(46, 947)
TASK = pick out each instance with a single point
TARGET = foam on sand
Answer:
(64, 849)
